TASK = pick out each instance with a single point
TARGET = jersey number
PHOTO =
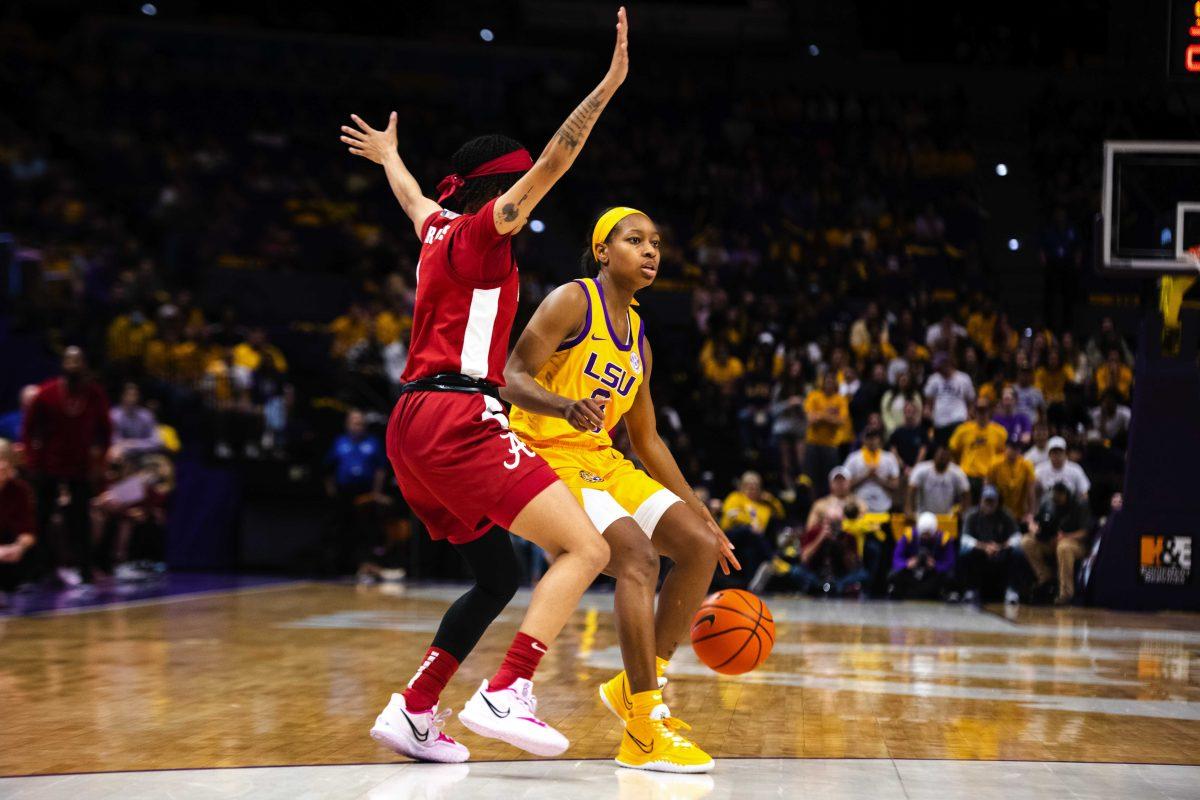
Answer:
(601, 396)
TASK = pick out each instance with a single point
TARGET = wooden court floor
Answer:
(294, 674)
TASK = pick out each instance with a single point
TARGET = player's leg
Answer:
(411, 723)
(634, 565)
(555, 522)
(504, 706)
(497, 576)
(652, 737)
(685, 539)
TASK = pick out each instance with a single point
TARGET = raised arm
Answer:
(380, 147)
(559, 317)
(514, 206)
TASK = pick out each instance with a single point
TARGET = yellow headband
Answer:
(608, 221)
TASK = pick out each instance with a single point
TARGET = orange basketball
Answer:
(733, 632)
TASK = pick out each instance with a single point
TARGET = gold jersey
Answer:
(592, 364)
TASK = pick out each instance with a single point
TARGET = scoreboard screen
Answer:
(1183, 39)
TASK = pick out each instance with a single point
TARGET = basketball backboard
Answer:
(1151, 207)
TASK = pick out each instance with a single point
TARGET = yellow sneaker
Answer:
(656, 744)
(617, 695)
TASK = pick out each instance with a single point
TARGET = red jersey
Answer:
(467, 292)
(62, 427)
(16, 510)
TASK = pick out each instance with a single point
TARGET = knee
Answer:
(697, 546)
(500, 588)
(594, 553)
(639, 564)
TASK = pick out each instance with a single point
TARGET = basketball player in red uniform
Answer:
(459, 466)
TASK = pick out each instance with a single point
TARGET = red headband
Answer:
(516, 161)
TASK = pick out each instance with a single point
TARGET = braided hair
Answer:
(478, 191)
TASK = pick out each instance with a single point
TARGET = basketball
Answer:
(733, 632)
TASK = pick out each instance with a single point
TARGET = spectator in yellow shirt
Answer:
(127, 337)
(747, 516)
(390, 326)
(349, 329)
(172, 360)
(828, 413)
(981, 325)
(1013, 477)
(1114, 375)
(250, 354)
(1052, 379)
(977, 444)
(723, 368)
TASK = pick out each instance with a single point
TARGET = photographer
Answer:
(824, 560)
(923, 562)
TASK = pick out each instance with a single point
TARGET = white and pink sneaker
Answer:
(417, 736)
(510, 716)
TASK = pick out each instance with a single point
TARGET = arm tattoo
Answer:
(510, 211)
(580, 122)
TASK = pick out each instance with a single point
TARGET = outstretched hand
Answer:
(620, 60)
(369, 143)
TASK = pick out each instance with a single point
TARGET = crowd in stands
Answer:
(933, 455)
(899, 433)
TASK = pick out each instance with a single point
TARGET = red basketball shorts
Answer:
(460, 468)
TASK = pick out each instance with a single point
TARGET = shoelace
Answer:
(439, 722)
(671, 724)
(530, 702)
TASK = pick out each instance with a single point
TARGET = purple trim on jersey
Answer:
(624, 348)
(642, 343)
(587, 321)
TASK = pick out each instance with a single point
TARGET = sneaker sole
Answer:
(401, 746)
(667, 766)
(528, 745)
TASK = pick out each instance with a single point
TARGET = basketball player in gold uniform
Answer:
(582, 364)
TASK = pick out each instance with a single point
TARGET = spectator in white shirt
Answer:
(874, 472)
(1038, 453)
(1059, 470)
(937, 486)
(1112, 419)
(944, 335)
(948, 394)
(134, 427)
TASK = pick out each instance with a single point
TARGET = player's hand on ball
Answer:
(620, 60)
(369, 143)
(584, 415)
